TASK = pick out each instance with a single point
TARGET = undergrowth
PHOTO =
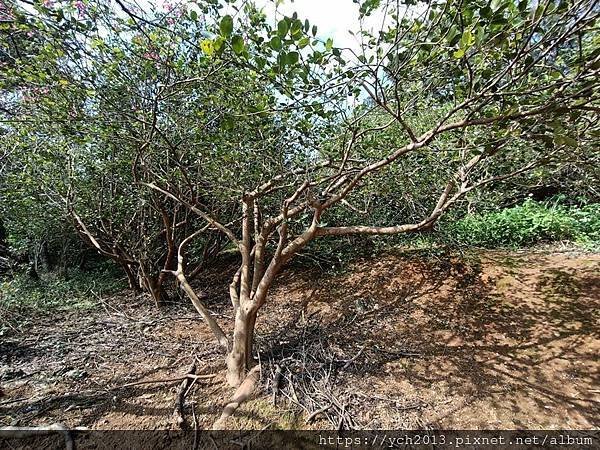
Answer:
(521, 226)
(77, 291)
(528, 224)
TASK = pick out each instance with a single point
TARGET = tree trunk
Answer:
(32, 273)
(131, 278)
(157, 290)
(253, 293)
(154, 286)
(44, 257)
(64, 260)
(240, 358)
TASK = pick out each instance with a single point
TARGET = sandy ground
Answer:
(493, 340)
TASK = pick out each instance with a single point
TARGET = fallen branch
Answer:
(395, 401)
(27, 432)
(178, 412)
(188, 376)
(16, 400)
(276, 381)
(317, 412)
(351, 360)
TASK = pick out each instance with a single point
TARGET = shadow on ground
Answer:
(500, 341)
(497, 340)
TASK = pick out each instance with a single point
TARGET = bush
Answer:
(520, 226)
(527, 224)
(53, 293)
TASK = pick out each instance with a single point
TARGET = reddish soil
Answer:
(496, 340)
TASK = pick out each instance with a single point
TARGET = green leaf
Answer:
(458, 54)
(467, 39)
(296, 30)
(329, 44)
(282, 59)
(303, 42)
(226, 26)
(539, 11)
(292, 58)
(193, 15)
(261, 62)
(237, 43)
(218, 43)
(480, 35)
(207, 47)
(523, 5)
(560, 139)
(228, 123)
(282, 28)
(452, 35)
(275, 43)
(496, 4)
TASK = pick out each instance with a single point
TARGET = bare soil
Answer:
(492, 340)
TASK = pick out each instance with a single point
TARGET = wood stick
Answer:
(188, 376)
(350, 361)
(276, 381)
(317, 412)
(195, 445)
(178, 412)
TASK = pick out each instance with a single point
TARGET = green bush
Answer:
(527, 224)
(78, 291)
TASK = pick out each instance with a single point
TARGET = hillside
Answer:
(494, 339)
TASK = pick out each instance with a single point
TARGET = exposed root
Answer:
(241, 395)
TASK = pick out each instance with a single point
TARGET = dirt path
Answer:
(498, 340)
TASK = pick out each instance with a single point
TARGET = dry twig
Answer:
(179, 403)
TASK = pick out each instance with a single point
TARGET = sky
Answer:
(333, 17)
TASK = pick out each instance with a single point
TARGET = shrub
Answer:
(54, 293)
(527, 224)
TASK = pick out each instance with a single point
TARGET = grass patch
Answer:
(521, 226)
(260, 413)
(528, 224)
(52, 293)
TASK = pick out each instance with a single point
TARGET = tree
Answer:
(478, 84)
(288, 136)
(108, 105)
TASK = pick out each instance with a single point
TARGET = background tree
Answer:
(109, 104)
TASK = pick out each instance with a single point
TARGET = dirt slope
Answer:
(494, 340)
